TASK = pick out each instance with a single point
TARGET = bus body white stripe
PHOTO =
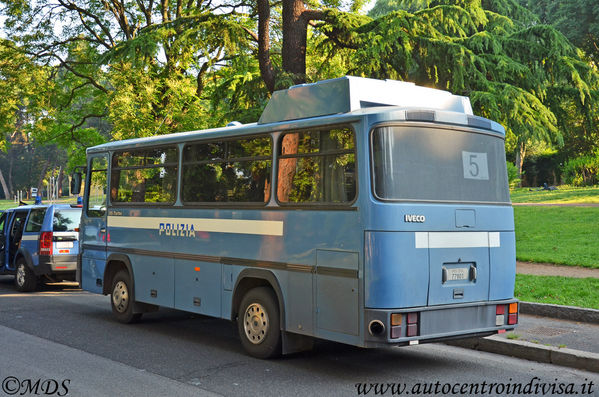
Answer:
(457, 239)
(239, 226)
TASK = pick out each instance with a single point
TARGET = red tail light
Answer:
(46, 243)
(412, 329)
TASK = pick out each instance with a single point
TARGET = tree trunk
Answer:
(520, 154)
(266, 69)
(59, 182)
(40, 183)
(11, 159)
(7, 194)
(295, 31)
(286, 167)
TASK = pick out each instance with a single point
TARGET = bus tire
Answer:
(122, 298)
(25, 280)
(258, 323)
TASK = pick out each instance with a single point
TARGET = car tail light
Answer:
(45, 243)
(412, 321)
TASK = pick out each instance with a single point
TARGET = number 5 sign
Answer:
(475, 166)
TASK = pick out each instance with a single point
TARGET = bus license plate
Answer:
(457, 274)
(64, 244)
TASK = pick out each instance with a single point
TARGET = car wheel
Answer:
(258, 323)
(122, 298)
(25, 280)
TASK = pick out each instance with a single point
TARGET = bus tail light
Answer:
(396, 325)
(45, 243)
(499, 315)
(512, 317)
(412, 320)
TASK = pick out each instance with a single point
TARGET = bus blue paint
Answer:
(335, 269)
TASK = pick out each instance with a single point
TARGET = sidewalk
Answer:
(557, 333)
(548, 269)
(547, 339)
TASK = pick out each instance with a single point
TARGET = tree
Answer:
(24, 91)
(142, 66)
(515, 71)
(578, 20)
(295, 20)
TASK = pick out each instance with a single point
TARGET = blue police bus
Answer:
(367, 212)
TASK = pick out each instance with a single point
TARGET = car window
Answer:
(2, 222)
(17, 226)
(66, 220)
(36, 219)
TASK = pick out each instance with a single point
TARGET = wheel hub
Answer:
(21, 275)
(120, 297)
(255, 323)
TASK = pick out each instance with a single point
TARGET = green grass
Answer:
(4, 204)
(564, 194)
(580, 292)
(560, 235)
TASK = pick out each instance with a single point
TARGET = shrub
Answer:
(582, 171)
(512, 175)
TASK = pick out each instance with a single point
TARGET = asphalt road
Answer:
(65, 334)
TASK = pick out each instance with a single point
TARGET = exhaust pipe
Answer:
(376, 328)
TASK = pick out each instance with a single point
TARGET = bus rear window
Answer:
(438, 164)
(66, 220)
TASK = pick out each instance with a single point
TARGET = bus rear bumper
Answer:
(384, 327)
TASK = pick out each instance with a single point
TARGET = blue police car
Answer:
(39, 243)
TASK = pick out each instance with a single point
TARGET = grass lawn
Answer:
(4, 204)
(561, 235)
(564, 194)
(581, 292)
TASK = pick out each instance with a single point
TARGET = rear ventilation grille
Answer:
(420, 115)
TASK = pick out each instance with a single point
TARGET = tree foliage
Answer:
(112, 69)
(578, 20)
(515, 71)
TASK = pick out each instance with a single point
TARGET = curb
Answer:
(532, 351)
(562, 312)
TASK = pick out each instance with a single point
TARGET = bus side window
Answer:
(228, 171)
(317, 167)
(145, 176)
(96, 199)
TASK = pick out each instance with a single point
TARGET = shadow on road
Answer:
(7, 285)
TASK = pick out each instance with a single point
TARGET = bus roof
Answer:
(346, 94)
(342, 100)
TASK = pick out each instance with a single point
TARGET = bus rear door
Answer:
(94, 238)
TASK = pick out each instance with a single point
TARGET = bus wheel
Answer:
(25, 280)
(258, 323)
(122, 298)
